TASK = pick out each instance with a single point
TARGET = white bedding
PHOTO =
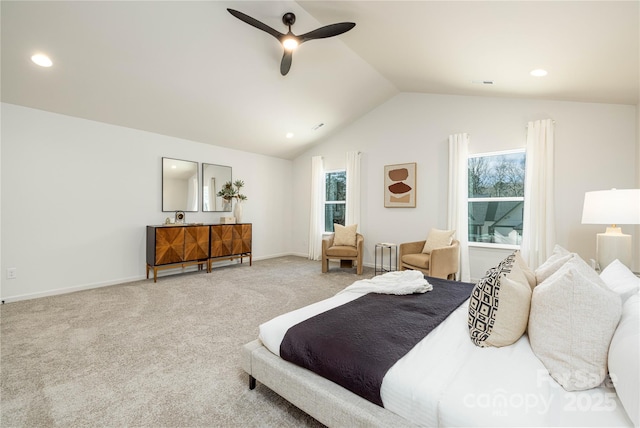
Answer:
(445, 380)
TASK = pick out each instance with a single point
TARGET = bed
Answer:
(444, 380)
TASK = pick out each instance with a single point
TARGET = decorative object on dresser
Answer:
(173, 246)
(230, 191)
(400, 185)
(613, 207)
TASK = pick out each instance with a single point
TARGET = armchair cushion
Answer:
(437, 239)
(420, 260)
(342, 251)
(345, 235)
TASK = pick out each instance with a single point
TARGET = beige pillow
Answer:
(437, 239)
(528, 273)
(558, 258)
(499, 305)
(573, 318)
(345, 235)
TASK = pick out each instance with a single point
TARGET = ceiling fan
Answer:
(290, 41)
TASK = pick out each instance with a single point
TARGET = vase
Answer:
(237, 212)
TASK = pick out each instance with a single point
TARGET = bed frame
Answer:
(324, 400)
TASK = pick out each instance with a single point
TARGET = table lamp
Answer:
(612, 207)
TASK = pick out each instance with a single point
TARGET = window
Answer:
(496, 197)
(335, 199)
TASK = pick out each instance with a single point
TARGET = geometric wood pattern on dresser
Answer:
(196, 243)
(169, 245)
(242, 238)
(221, 240)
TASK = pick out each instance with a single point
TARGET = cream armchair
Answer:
(346, 253)
(439, 263)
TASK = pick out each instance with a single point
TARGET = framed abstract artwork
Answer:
(400, 185)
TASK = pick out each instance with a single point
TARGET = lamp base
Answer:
(613, 245)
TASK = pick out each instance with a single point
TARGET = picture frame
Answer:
(400, 185)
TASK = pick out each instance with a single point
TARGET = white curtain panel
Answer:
(353, 189)
(458, 212)
(316, 218)
(539, 231)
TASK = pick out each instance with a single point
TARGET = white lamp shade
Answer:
(615, 206)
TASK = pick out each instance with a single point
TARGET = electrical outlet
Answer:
(12, 273)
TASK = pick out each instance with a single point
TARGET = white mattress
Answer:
(445, 380)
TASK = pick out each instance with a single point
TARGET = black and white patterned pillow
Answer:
(484, 301)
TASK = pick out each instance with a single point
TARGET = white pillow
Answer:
(620, 279)
(572, 320)
(624, 358)
(437, 239)
(345, 235)
(558, 258)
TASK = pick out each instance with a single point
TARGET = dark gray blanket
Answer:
(354, 345)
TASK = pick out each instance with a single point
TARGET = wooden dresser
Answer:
(173, 246)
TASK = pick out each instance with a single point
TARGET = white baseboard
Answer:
(70, 289)
(73, 289)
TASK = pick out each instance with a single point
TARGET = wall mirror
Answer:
(213, 178)
(179, 185)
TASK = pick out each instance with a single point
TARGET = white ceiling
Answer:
(193, 71)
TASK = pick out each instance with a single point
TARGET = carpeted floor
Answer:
(164, 354)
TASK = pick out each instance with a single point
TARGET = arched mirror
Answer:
(179, 185)
(213, 178)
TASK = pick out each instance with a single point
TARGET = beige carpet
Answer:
(145, 354)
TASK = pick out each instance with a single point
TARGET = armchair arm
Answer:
(410, 248)
(444, 261)
(360, 248)
(327, 242)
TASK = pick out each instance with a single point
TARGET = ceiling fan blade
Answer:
(255, 23)
(327, 31)
(285, 65)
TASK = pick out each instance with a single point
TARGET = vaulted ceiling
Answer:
(191, 70)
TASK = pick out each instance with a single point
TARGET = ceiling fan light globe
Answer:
(290, 43)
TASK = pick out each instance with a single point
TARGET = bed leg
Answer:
(252, 382)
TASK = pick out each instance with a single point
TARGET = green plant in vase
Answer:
(229, 192)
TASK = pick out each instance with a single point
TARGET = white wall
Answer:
(77, 195)
(595, 150)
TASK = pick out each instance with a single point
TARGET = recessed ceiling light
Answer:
(289, 134)
(42, 60)
(538, 72)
